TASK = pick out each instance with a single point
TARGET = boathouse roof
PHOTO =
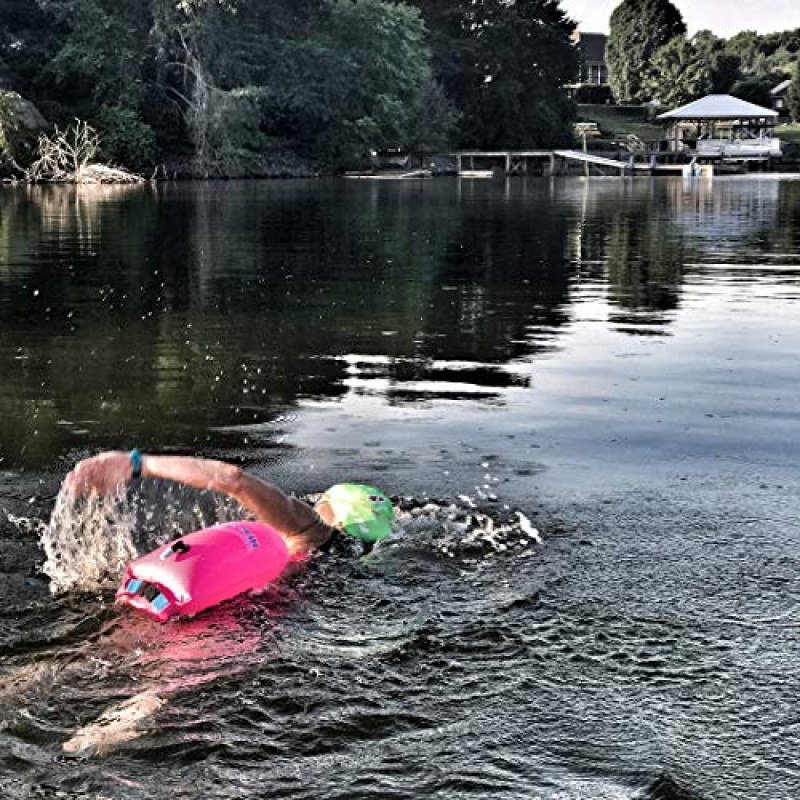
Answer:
(719, 106)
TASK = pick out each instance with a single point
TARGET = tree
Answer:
(359, 78)
(99, 55)
(677, 74)
(724, 66)
(768, 57)
(745, 46)
(380, 68)
(504, 64)
(637, 29)
(753, 90)
(223, 86)
(9, 125)
(26, 40)
(793, 94)
(190, 71)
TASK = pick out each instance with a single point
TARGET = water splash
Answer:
(466, 529)
(88, 541)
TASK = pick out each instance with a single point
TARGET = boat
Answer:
(476, 173)
(416, 174)
(742, 144)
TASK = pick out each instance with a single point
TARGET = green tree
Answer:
(724, 66)
(745, 45)
(189, 71)
(753, 90)
(100, 53)
(9, 124)
(125, 138)
(504, 64)
(327, 79)
(677, 74)
(380, 67)
(793, 94)
(768, 57)
(638, 28)
(227, 84)
(26, 40)
(358, 79)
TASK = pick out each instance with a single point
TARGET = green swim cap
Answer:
(361, 511)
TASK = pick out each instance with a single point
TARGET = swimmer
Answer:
(360, 511)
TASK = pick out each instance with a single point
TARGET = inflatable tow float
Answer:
(204, 568)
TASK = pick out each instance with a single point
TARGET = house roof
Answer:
(591, 45)
(781, 87)
(719, 106)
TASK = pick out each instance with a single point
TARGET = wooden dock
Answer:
(499, 163)
(588, 159)
(512, 162)
(483, 163)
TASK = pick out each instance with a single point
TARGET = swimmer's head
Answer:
(360, 511)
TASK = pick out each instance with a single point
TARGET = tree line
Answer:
(650, 57)
(234, 87)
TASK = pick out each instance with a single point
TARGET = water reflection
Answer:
(161, 313)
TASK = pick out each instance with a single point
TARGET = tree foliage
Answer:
(793, 93)
(224, 85)
(638, 28)
(9, 124)
(770, 56)
(235, 79)
(124, 137)
(723, 65)
(359, 80)
(504, 63)
(677, 74)
(753, 90)
(747, 65)
(19, 121)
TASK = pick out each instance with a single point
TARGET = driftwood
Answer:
(101, 173)
(66, 157)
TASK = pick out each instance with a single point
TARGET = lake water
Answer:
(613, 360)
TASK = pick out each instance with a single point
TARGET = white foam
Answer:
(462, 530)
(88, 541)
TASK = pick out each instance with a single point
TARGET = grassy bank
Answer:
(789, 133)
(616, 122)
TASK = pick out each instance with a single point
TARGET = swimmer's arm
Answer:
(269, 503)
(292, 518)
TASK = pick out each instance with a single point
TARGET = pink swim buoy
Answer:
(204, 568)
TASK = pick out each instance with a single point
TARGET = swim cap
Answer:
(361, 511)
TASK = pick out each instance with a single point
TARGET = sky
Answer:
(722, 17)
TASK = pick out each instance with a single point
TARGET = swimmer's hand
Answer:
(101, 474)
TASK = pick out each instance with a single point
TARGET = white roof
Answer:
(781, 87)
(719, 106)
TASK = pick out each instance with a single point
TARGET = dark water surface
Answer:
(616, 360)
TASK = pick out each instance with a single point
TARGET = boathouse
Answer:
(720, 126)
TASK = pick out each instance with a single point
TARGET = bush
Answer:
(753, 90)
(593, 93)
(125, 138)
(10, 128)
(64, 153)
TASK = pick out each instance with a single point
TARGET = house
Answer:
(592, 47)
(778, 96)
